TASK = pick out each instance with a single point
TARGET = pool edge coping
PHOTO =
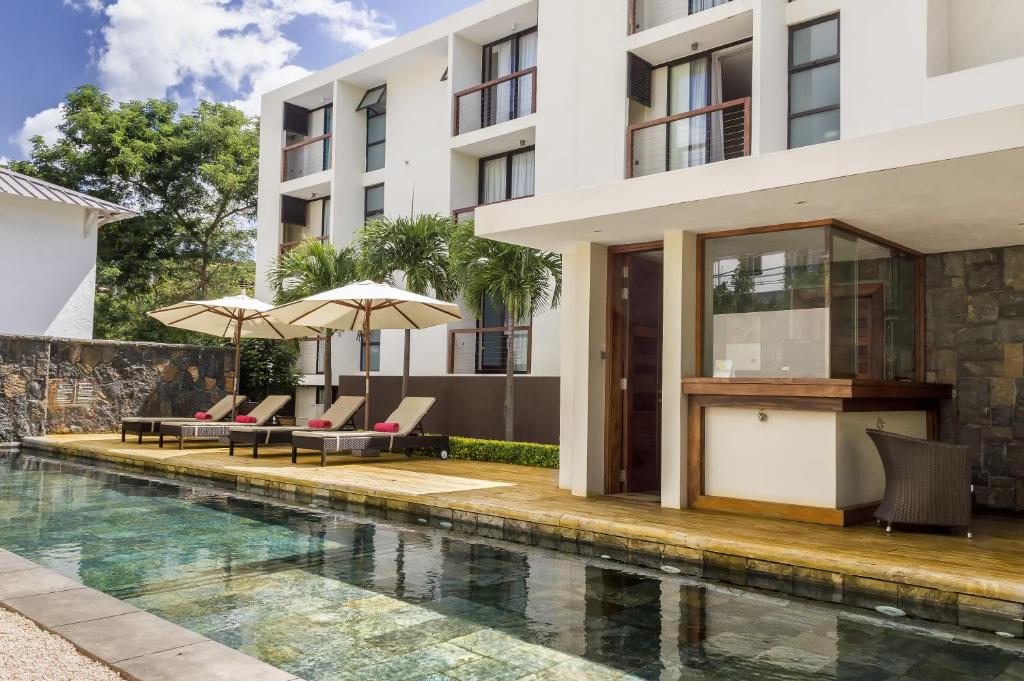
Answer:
(132, 667)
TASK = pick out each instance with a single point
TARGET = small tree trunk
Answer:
(328, 397)
(405, 364)
(510, 368)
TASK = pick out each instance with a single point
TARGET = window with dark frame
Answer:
(814, 94)
(374, 351)
(373, 202)
(374, 102)
(503, 57)
(509, 175)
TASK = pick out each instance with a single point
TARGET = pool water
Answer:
(326, 595)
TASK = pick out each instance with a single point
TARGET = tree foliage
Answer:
(269, 367)
(193, 178)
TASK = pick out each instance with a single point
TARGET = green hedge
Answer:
(499, 451)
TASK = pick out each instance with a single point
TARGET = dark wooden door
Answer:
(642, 372)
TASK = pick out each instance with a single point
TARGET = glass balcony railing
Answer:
(646, 14)
(496, 101)
(306, 157)
(485, 350)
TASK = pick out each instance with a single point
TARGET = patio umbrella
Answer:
(368, 306)
(234, 317)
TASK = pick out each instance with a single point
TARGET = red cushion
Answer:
(203, 416)
(245, 419)
(386, 427)
(319, 423)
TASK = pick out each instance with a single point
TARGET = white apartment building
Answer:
(744, 193)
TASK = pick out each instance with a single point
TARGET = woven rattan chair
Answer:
(926, 482)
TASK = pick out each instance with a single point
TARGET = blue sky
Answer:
(225, 50)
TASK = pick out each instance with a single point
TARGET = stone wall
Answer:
(55, 385)
(975, 339)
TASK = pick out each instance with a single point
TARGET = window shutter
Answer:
(639, 80)
(293, 210)
(296, 119)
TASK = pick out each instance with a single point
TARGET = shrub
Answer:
(500, 451)
(269, 367)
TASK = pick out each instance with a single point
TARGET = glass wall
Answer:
(818, 302)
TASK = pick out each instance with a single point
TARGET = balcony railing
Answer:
(467, 214)
(693, 138)
(496, 101)
(289, 245)
(306, 157)
(485, 350)
(644, 14)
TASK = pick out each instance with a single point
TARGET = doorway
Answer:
(633, 416)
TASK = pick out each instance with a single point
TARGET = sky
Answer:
(186, 50)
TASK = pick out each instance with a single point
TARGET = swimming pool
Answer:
(328, 595)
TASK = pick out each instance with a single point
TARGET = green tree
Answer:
(524, 281)
(314, 267)
(269, 367)
(418, 248)
(192, 176)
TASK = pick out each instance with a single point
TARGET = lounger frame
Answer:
(372, 445)
(271, 436)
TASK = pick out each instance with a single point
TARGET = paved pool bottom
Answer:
(326, 595)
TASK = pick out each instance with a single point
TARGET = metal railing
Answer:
(289, 245)
(485, 350)
(306, 157)
(706, 135)
(644, 14)
(496, 101)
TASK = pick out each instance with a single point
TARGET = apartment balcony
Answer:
(645, 14)
(713, 133)
(497, 101)
(292, 243)
(468, 214)
(485, 350)
(308, 157)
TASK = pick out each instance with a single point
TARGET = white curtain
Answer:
(494, 181)
(700, 5)
(524, 85)
(688, 85)
(522, 175)
(699, 124)
(501, 95)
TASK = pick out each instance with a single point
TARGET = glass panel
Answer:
(873, 310)
(375, 157)
(375, 199)
(373, 98)
(819, 41)
(325, 224)
(328, 116)
(765, 307)
(494, 183)
(522, 175)
(814, 89)
(374, 351)
(688, 138)
(375, 128)
(815, 128)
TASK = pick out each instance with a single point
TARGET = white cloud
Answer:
(43, 123)
(94, 6)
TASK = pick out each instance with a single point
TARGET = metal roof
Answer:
(17, 184)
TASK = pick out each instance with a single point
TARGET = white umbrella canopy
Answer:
(234, 317)
(368, 306)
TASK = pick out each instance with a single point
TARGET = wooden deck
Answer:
(990, 566)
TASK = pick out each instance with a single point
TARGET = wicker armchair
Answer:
(926, 482)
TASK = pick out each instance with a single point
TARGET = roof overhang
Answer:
(943, 186)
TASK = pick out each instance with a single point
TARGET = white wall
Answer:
(49, 274)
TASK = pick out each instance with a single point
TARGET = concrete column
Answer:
(585, 272)
(770, 86)
(679, 329)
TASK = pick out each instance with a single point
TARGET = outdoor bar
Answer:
(809, 334)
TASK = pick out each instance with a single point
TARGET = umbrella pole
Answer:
(366, 364)
(238, 368)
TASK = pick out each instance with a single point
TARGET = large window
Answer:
(814, 82)
(374, 102)
(816, 302)
(373, 201)
(512, 98)
(507, 176)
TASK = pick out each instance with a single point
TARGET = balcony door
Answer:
(633, 417)
(510, 99)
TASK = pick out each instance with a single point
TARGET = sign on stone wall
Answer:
(65, 393)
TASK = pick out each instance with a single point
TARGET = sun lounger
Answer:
(409, 416)
(150, 425)
(204, 430)
(341, 414)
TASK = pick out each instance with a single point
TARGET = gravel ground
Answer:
(27, 653)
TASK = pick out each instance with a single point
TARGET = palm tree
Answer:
(523, 280)
(309, 268)
(416, 246)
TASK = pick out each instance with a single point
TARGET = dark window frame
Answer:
(376, 110)
(485, 76)
(808, 66)
(368, 214)
(508, 155)
(374, 342)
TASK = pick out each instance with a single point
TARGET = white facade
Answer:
(927, 153)
(48, 235)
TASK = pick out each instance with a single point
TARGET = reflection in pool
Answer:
(327, 595)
